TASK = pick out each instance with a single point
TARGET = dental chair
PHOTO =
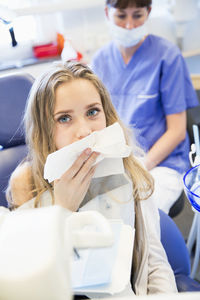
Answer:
(14, 90)
(193, 117)
(177, 253)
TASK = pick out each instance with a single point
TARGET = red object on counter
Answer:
(60, 42)
(47, 50)
(79, 56)
(53, 49)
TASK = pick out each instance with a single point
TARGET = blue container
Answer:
(191, 182)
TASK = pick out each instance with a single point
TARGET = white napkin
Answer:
(110, 142)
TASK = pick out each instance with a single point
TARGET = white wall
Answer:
(84, 23)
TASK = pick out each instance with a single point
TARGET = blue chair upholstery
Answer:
(14, 90)
(177, 253)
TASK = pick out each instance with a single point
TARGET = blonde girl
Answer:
(67, 103)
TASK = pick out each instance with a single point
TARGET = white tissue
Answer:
(110, 142)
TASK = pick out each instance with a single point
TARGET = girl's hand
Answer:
(71, 188)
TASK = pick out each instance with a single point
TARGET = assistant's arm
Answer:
(176, 94)
(173, 136)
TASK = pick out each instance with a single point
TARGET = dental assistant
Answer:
(151, 90)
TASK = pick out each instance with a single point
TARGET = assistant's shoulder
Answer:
(102, 53)
(163, 46)
(20, 184)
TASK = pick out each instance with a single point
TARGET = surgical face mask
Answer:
(125, 37)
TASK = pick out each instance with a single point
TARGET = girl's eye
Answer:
(93, 112)
(64, 119)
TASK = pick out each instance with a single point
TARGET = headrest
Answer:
(14, 90)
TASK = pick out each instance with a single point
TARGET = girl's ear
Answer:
(106, 11)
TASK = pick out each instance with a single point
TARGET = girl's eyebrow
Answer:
(93, 104)
(63, 112)
(71, 110)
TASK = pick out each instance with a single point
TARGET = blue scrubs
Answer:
(155, 83)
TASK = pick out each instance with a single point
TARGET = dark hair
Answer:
(122, 4)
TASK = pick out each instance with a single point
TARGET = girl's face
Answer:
(128, 18)
(78, 112)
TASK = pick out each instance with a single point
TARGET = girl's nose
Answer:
(83, 130)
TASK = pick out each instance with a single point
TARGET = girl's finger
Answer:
(87, 180)
(90, 174)
(77, 165)
(87, 166)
